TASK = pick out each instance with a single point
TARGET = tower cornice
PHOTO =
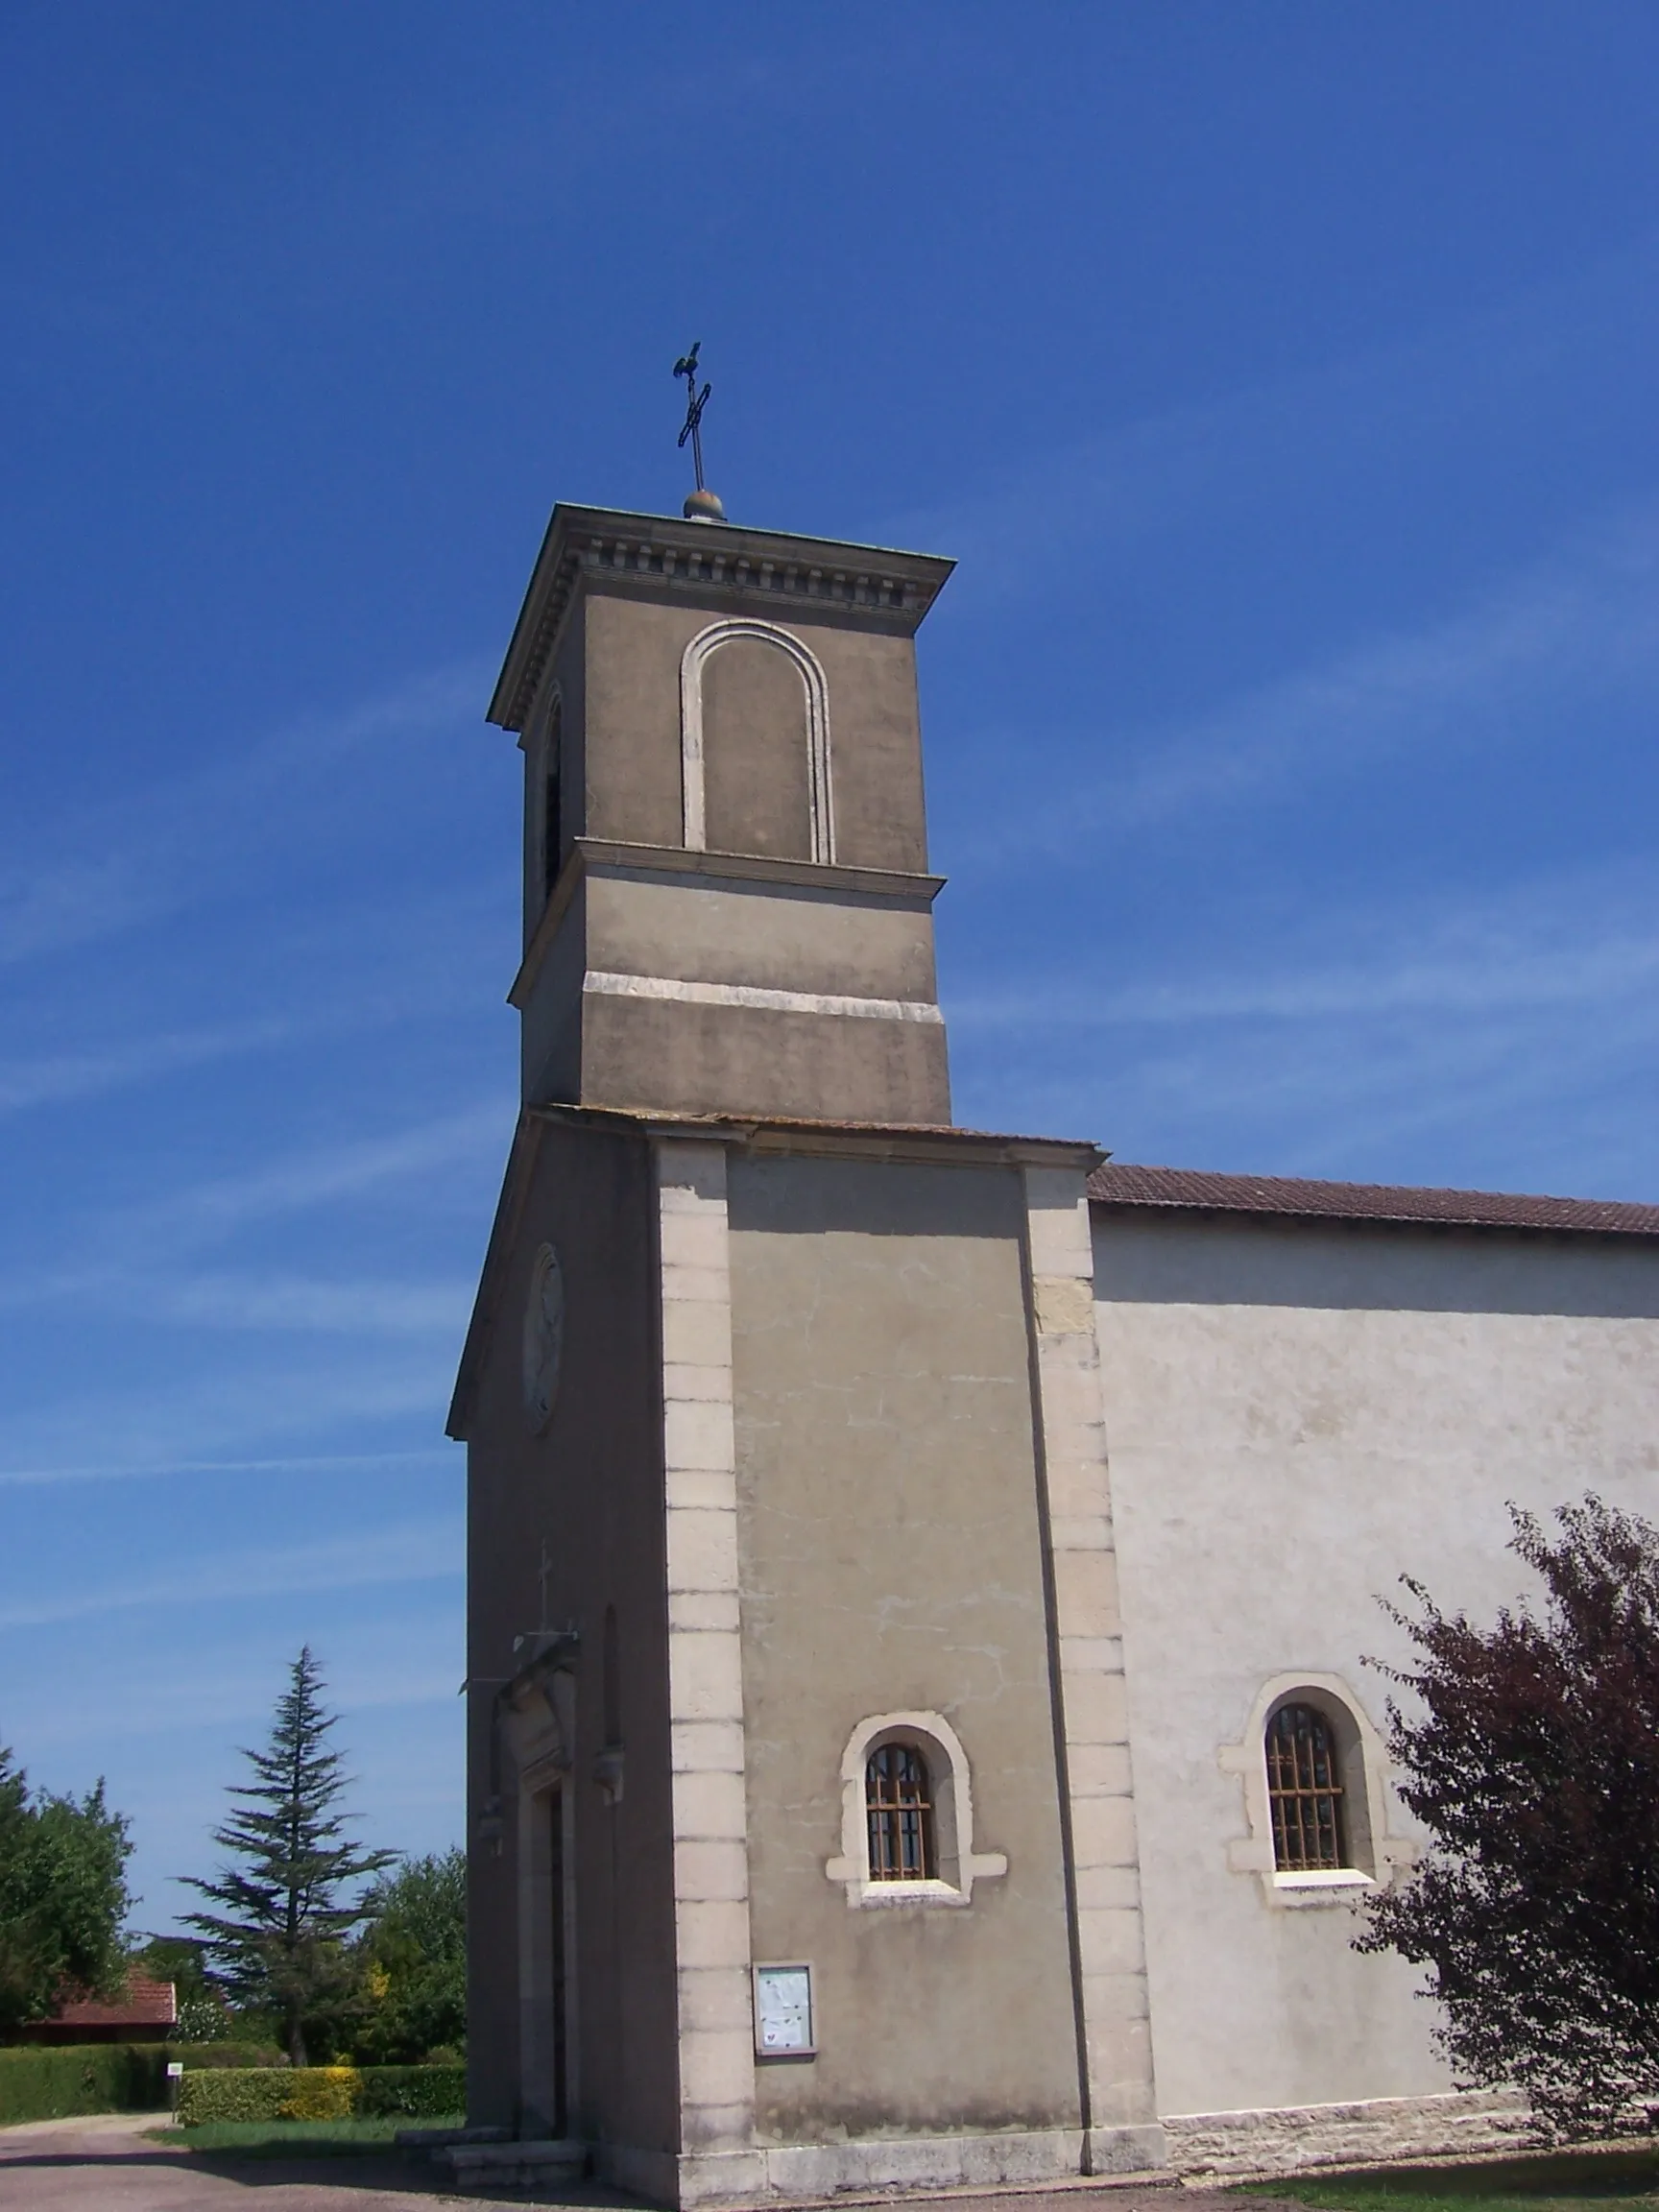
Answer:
(615, 549)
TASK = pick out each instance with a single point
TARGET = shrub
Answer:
(413, 2092)
(414, 1957)
(56, 2081)
(321, 2093)
(267, 2093)
(201, 2020)
(198, 2057)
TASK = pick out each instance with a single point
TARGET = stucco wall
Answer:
(1297, 1414)
(889, 1550)
(631, 724)
(591, 1488)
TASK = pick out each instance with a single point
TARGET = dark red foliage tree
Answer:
(1530, 1753)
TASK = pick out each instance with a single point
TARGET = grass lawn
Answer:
(293, 2138)
(1552, 2181)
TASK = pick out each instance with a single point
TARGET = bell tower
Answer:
(785, 1466)
(727, 902)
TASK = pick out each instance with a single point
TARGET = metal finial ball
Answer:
(703, 506)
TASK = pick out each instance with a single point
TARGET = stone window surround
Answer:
(810, 669)
(960, 1865)
(1380, 1853)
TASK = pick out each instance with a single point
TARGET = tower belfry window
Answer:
(552, 812)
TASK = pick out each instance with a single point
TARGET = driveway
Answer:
(105, 2165)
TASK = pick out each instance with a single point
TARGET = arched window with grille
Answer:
(1305, 1791)
(899, 1807)
(907, 1815)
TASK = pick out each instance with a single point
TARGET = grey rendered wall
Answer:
(1295, 1416)
(591, 1488)
(889, 1547)
(631, 724)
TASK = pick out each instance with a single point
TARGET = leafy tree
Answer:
(63, 1896)
(1532, 1755)
(280, 1940)
(414, 1956)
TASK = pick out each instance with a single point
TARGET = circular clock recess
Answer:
(543, 1336)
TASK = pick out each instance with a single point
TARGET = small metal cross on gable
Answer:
(695, 402)
(543, 1573)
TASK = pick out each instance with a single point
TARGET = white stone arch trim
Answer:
(819, 795)
(1381, 1853)
(960, 1865)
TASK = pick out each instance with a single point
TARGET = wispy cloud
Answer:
(152, 1694)
(304, 1463)
(1195, 463)
(1440, 1040)
(248, 1300)
(169, 843)
(233, 1409)
(205, 1212)
(422, 1552)
(60, 1076)
(1571, 941)
(1565, 635)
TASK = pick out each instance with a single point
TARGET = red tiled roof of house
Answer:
(142, 2004)
(1190, 1190)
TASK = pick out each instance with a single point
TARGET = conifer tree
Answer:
(279, 1939)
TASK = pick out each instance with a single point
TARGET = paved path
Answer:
(105, 2165)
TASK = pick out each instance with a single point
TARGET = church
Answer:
(920, 1579)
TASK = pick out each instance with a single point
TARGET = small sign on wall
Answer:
(784, 2027)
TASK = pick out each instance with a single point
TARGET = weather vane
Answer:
(701, 505)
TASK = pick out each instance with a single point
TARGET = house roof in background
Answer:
(1191, 1191)
(142, 2004)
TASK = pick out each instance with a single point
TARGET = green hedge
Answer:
(322, 2093)
(413, 2092)
(267, 2093)
(55, 2081)
(199, 2058)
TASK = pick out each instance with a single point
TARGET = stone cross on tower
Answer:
(701, 505)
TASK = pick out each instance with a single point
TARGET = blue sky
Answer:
(1281, 376)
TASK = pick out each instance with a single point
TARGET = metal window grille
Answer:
(1303, 1792)
(899, 1807)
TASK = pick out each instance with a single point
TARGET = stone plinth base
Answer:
(512, 2165)
(789, 2173)
(1233, 2145)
